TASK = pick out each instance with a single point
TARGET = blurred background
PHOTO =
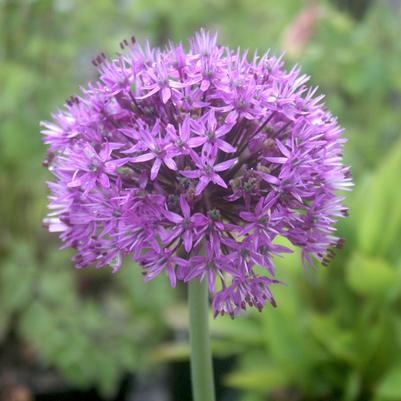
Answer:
(69, 334)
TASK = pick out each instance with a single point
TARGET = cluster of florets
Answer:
(194, 163)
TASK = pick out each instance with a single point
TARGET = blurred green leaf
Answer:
(171, 352)
(237, 330)
(376, 231)
(18, 284)
(370, 276)
(389, 387)
(353, 386)
(337, 341)
(262, 379)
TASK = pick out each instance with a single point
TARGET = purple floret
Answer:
(194, 164)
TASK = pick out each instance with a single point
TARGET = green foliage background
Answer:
(337, 332)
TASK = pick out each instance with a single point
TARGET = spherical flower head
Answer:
(194, 163)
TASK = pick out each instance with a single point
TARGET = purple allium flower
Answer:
(194, 163)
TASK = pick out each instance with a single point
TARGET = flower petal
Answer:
(155, 169)
(204, 86)
(170, 163)
(225, 146)
(219, 181)
(196, 141)
(225, 165)
(143, 158)
(186, 211)
(166, 95)
(188, 239)
(191, 173)
(150, 93)
(173, 217)
(202, 184)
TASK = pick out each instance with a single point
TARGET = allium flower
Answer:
(194, 163)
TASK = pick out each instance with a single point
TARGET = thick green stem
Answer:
(201, 356)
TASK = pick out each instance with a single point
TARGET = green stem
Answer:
(201, 356)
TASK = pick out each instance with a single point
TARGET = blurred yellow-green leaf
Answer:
(263, 379)
(389, 386)
(371, 276)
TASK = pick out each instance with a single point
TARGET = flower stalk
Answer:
(201, 356)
